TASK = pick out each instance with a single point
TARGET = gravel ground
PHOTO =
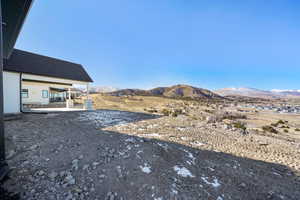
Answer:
(117, 155)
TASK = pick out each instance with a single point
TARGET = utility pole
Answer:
(3, 165)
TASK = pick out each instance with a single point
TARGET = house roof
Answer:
(26, 62)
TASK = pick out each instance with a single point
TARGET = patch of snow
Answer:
(165, 146)
(278, 90)
(132, 140)
(197, 143)
(184, 138)
(173, 189)
(146, 168)
(211, 169)
(105, 118)
(215, 182)
(180, 128)
(191, 157)
(220, 198)
(150, 135)
(128, 147)
(182, 171)
(152, 126)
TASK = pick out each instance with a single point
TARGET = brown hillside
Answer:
(176, 91)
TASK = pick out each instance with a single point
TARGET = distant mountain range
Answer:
(252, 92)
(176, 91)
(187, 91)
(102, 89)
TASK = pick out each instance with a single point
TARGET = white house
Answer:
(30, 78)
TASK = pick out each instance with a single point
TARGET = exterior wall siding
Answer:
(35, 94)
(11, 92)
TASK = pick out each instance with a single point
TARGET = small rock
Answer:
(70, 180)
(62, 174)
(40, 173)
(226, 127)
(243, 185)
(70, 196)
(10, 154)
(102, 176)
(263, 144)
(60, 147)
(75, 164)
(77, 190)
(33, 147)
(85, 167)
(52, 175)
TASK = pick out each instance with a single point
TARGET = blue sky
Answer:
(144, 44)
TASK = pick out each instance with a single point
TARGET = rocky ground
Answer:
(118, 155)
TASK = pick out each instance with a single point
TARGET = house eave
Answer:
(71, 80)
(14, 13)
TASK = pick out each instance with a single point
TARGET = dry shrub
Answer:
(177, 112)
(278, 123)
(269, 129)
(166, 112)
(240, 125)
(218, 117)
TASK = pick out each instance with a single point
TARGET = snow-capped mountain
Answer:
(102, 89)
(287, 93)
(252, 92)
(249, 92)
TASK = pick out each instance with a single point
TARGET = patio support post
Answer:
(87, 91)
(69, 93)
(3, 165)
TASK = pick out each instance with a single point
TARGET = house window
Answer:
(24, 93)
(45, 94)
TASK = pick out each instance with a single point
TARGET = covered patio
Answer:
(58, 95)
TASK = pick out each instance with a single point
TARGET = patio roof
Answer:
(57, 89)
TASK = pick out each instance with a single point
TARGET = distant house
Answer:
(30, 78)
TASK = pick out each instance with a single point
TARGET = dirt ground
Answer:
(116, 155)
